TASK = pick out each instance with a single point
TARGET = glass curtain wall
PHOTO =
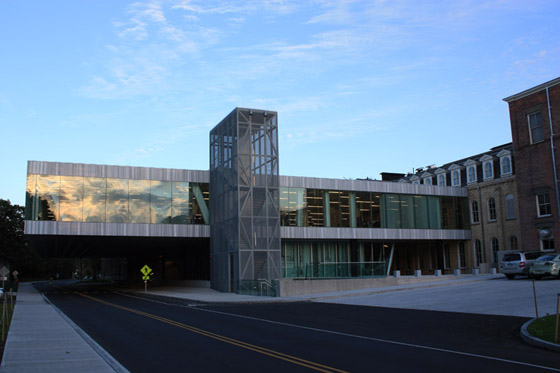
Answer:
(99, 200)
(318, 259)
(323, 208)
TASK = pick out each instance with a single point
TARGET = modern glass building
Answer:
(241, 225)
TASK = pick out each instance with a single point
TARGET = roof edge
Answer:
(530, 91)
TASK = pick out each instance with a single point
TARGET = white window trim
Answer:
(484, 173)
(440, 177)
(538, 206)
(453, 183)
(502, 173)
(473, 167)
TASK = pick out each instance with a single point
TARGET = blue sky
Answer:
(361, 87)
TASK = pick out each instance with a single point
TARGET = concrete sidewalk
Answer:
(41, 339)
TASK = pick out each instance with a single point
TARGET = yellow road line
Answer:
(248, 346)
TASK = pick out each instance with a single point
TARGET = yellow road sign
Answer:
(146, 270)
(145, 277)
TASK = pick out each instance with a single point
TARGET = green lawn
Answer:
(544, 328)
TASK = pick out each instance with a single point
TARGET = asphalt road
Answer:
(149, 334)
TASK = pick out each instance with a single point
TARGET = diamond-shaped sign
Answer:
(4, 271)
(146, 270)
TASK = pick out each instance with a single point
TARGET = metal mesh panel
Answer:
(245, 212)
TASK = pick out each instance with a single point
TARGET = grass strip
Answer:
(543, 328)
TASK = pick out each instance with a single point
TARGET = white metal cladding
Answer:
(117, 172)
(116, 229)
(321, 233)
(371, 186)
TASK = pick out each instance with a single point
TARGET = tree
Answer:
(13, 244)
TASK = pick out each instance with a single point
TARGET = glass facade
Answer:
(108, 200)
(334, 259)
(323, 208)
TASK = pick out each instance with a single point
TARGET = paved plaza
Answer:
(497, 296)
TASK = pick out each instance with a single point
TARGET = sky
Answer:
(360, 87)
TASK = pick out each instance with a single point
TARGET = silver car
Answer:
(547, 265)
(516, 263)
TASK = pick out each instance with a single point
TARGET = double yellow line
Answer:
(235, 342)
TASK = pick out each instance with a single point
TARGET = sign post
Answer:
(3, 273)
(146, 273)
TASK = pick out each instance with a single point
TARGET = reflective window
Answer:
(117, 201)
(95, 192)
(139, 201)
(31, 200)
(181, 203)
(47, 194)
(160, 192)
(71, 197)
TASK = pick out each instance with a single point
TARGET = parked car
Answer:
(547, 265)
(517, 263)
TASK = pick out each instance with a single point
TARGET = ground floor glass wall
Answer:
(335, 259)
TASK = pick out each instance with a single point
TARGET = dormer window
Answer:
(488, 170)
(441, 179)
(471, 174)
(487, 167)
(456, 178)
(505, 165)
(427, 181)
(415, 180)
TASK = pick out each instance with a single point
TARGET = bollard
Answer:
(417, 273)
(457, 272)
(557, 317)
(437, 272)
(535, 296)
(475, 271)
(396, 273)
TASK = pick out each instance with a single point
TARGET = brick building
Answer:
(535, 129)
(490, 181)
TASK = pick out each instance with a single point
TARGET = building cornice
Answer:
(530, 91)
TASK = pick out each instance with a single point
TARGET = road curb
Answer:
(528, 338)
